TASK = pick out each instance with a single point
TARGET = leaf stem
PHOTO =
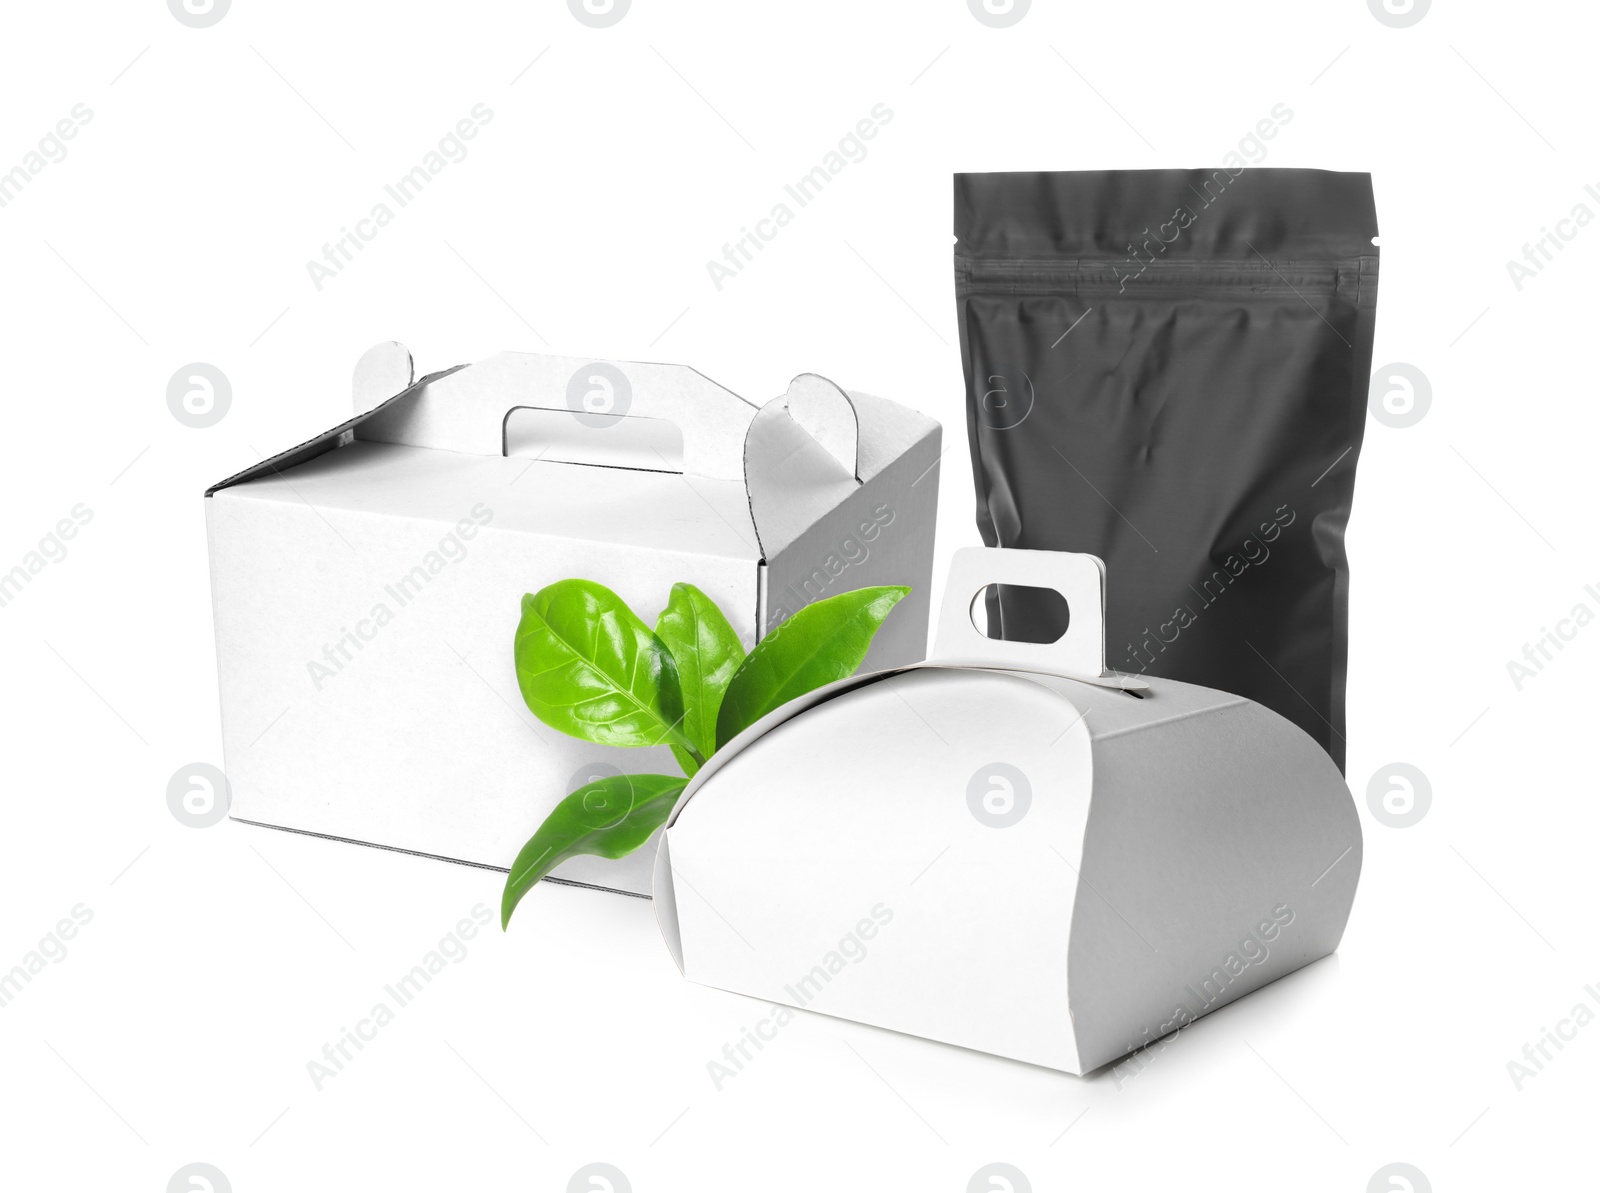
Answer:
(684, 744)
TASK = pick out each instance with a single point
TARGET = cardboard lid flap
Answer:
(800, 459)
(374, 372)
(383, 371)
(828, 415)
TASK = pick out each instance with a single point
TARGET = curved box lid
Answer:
(1176, 847)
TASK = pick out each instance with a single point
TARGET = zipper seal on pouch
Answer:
(1080, 275)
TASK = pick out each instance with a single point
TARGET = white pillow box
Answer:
(1008, 848)
(367, 584)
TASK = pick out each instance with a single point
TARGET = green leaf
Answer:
(824, 642)
(707, 653)
(609, 818)
(689, 761)
(589, 667)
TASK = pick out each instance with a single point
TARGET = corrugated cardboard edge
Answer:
(327, 441)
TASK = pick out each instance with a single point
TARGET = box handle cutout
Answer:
(1051, 611)
(1080, 651)
(593, 437)
(465, 410)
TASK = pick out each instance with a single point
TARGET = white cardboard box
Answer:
(366, 584)
(1008, 848)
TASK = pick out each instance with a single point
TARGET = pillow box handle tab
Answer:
(1080, 653)
(466, 410)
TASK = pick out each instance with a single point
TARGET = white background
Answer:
(217, 964)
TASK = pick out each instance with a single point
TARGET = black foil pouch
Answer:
(1169, 369)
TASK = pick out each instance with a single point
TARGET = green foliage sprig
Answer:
(588, 666)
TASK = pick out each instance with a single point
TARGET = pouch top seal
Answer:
(1099, 214)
